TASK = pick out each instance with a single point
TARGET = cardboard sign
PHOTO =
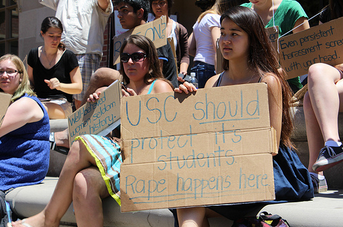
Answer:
(210, 147)
(273, 35)
(154, 30)
(322, 43)
(5, 100)
(97, 118)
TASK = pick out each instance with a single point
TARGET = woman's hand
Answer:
(128, 92)
(53, 83)
(93, 97)
(186, 87)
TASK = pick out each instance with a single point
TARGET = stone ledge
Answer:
(323, 210)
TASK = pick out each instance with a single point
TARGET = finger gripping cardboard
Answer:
(206, 148)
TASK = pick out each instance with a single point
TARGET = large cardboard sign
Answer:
(97, 118)
(322, 43)
(154, 30)
(211, 147)
(5, 100)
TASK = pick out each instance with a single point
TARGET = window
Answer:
(9, 26)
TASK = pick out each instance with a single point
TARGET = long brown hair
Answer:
(52, 22)
(151, 54)
(219, 7)
(262, 58)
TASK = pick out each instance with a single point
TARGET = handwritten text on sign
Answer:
(154, 30)
(93, 118)
(195, 150)
(322, 43)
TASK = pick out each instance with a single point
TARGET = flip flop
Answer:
(54, 147)
(24, 223)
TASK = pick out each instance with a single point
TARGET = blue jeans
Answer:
(203, 72)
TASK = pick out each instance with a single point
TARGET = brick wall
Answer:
(105, 49)
(104, 61)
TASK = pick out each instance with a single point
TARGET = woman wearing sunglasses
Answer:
(85, 179)
(24, 132)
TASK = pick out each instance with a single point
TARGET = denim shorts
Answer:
(203, 72)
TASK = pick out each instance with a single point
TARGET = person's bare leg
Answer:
(77, 103)
(100, 78)
(192, 217)
(89, 190)
(324, 98)
(55, 111)
(78, 159)
(313, 132)
(62, 138)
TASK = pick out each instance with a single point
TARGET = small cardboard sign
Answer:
(154, 30)
(322, 43)
(97, 118)
(5, 100)
(209, 147)
(273, 35)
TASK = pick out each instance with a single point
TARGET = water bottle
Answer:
(194, 80)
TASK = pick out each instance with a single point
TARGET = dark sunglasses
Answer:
(136, 57)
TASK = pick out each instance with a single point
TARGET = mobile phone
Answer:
(123, 86)
(185, 77)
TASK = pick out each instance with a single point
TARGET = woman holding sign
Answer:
(287, 15)
(91, 170)
(24, 132)
(242, 42)
(322, 103)
(174, 30)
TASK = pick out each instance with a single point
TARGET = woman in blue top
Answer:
(24, 132)
(287, 15)
(91, 170)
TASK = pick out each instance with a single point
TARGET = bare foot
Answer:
(37, 220)
(62, 138)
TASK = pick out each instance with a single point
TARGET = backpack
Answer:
(263, 220)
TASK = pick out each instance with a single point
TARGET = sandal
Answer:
(54, 147)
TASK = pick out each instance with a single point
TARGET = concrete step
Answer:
(325, 209)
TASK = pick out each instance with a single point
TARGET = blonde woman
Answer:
(24, 132)
(202, 42)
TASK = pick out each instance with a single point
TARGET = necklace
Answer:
(52, 59)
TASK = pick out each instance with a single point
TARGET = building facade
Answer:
(20, 22)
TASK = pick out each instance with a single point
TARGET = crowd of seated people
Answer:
(45, 91)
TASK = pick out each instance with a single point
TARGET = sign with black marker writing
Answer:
(5, 100)
(210, 147)
(154, 30)
(322, 43)
(97, 118)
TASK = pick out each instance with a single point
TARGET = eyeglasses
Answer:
(160, 3)
(9, 72)
(136, 57)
